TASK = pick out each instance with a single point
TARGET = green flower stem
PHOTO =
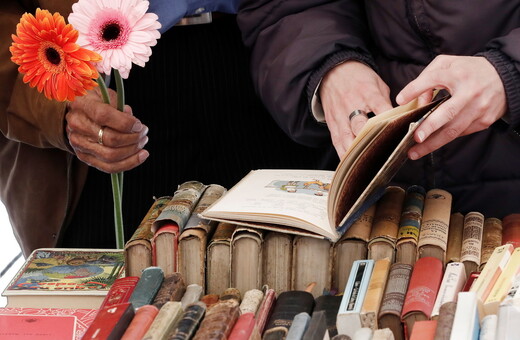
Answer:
(117, 178)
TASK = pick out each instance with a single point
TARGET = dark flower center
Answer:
(52, 56)
(111, 31)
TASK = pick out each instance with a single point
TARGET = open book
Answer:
(325, 203)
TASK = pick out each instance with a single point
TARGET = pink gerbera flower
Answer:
(119, 30)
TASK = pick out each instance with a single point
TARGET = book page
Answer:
(296, 198)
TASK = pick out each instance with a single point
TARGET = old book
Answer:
(393, 299)
(289, 198)
(287, 306)
(317, 328)
(330, 304)
(277, 255)
(172, 289)
(44, 323)
(503, 283)
(243, 327)
(466, 325)
(165, 321)
(455, 231)
(110, 322)
(169, 224)
(422, 290)
(363, 333)
(424, 330)
(191, 295)
(251, 301)
(511, 229)
(246, 259)
(382, 334)
(219, 259)
(488, 328)
(374, 295)
(147, 287)
(410, 225)
(386, 224)
(194, 238)
(190, 321)
(264, 311)
(452, 283)
(472, 241)
(352, 246)
(311, 263)
(349, 319)
(138, 249)
(491, 239)
(142, 320)
(231, 293)
(445, 320)
(219, 321)
(65, 278)
(210, 299)
(299, 326)
(121, 291)
(433, 238)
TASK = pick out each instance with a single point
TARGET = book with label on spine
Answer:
(410, 225)
(472, 241)
(491, 238)
(374, 295)
(452, 283)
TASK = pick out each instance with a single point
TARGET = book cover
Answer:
(503, 284)
(219, 259)
(317, 328)
(42, 323)
(445, 320)
(466, 325)
(452, 283)
(374, 295)
(120, 292)
(65, 278)
(348, 319)
(172, 289)
(264, 310)
(509, 313)
(191, 295)
(110, 322)
(277, 261)
(246, 259)
(251, 301)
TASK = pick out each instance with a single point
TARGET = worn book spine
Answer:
(165, 246)
(210, 299)
(138, 249)
(243, 327)
(298, 327)
(386, 224)
(466, 323)
(219, 321)
(472, 241)
(147, 287)
(264, 310)
(317, 326)
(491, 238)
(433, 238)
(352, 246)
(231, 293)
(246, 259)
(190, 321)
(452, 283)
(383, 334)
(219, 259)
(120, 292)
(139, 325)
(312, 262)
(251, 301)
(445, 320)
(165, 321)
(191, 295)
(393, 299)
(330, 304)
(110, 322)
(374, 295)
(503, 284)
(410, 225)
(424, 330)
(423, 288)
(511, 229)
(456, 229)
(277, 261)
(348, 319)
(172, 289)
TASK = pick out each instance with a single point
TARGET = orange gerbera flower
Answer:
(45, 49)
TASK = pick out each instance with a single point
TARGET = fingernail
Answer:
(143, 155)
(420, 136)
(414, 155)
(399, 98)
(143, 142)
(137, 126)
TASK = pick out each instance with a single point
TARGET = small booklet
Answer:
(325, 203)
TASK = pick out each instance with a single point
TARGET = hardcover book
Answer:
(246, 259)
(299, 201)
(503, 284)
(410, 225)
(121, 291)
(511, 229)
(65, 278)
(491, 238)
(466, 325)
(219, 259)
(110, 322)
(452, 283)
(277, 261)
(455, 237)
(374, 296)
(472, 241)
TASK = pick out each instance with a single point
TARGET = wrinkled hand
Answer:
(477, 100)
(348, 87)
(123, 139)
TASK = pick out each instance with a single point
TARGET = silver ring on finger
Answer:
(100, 135)
(357, 113)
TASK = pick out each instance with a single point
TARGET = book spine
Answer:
(277, 261)
(246, 243)
(209, 195)
(287, 306)
(142, 320)
(362, 227)
(452, 283)
(383, 334)
(466, 323)
(455, 237)
(511, 230)
(120, 292)
(165, 321)
(491, 238)
(445, 320)
(265, 310)
(488, 331)
(110, 322)
(172, 289)
(218, 269)
(191, 295)
(330, 304)
(472, 241)
(410, 222)
(147, 287)
(243, 327)
(424, 330)
(374, 295)
(503, 284)
(436, 219)
(190, 321)
(251, 301)
(299, 326)
(219, 321)
(317, 326)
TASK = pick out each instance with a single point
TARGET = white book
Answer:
(452, 283)
(349, 314)
(508, 326)
(466, 325)
(503, 284)
(488, 331)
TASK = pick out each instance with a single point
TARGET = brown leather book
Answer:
(194, 238)
(472, 241)
(138, 249)
(277, 255)
(352, 246)
(491, 238)
(172, 289)
(210, 299)
(445, 320)
(410, 225)
(433, 237)
(246, 258)
(142, 320)
(190, 321)
(393, 299)
(511, 230)
(386, 224)
(219, 321)
(219, 259)
(455, 237)
(422, 291)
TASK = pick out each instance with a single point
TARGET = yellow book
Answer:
(374, 296)
(503, 284)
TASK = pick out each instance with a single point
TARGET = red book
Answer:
(469, 282)
(424, 330)
(511, 230)
(142, 320)
(243, 328)
(422, 291)
(120, 291)
(165, 248)
(44, 323)
(264, 310)
(110, 322)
